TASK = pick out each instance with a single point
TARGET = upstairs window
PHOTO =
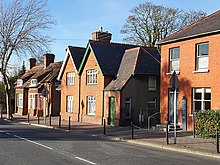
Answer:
(152, 83)
(33, 82)
(70, 77)
(19, 82)
(91, 76)
(202, 56)
(174, 59)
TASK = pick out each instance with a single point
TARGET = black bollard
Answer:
(104, 127)
(38, 119)
(167, 133)
(194, 129)
(217, 141)
(59, 121)
(50, 120)
(28, 118)
(132, 130)
(69, 123)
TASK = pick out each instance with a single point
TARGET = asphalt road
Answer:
(29, 145)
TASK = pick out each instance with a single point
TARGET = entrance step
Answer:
(162, 127)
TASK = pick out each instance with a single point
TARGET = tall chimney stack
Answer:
(48, 59)
(101, 36)
(32, 62)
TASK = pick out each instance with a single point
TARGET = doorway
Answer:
(111, 116)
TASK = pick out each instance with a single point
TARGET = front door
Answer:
(171, 107)
(111, 110)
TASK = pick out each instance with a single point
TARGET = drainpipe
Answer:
(79, 93)
(102, 106)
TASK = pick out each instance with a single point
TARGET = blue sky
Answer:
(77, 19)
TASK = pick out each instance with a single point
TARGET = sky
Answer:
(77, 19)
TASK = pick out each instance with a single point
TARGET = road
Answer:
(30, 145)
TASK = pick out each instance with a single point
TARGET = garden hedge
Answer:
(207, 122)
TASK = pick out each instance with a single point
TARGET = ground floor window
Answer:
(201, 99)
(91, 105)
(128, 107)
(20, 100)
(151, 104)
(69, 105)
(32, 101)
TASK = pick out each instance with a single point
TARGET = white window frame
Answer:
(19, 82)
(201, 59)
(152, 101)
(20, 100)
(91, 76)
(202, 100)
(91, 105)
(174, 60)
(33, 82)
(152, 83)
(128, 102)
(69, 104)
(70, 78)
(31, 101)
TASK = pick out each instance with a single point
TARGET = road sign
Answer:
(174, 81)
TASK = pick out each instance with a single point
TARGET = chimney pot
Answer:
(32, 62)
(48, 59)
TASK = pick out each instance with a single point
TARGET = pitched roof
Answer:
(136, 61)
(206, 26)
(31, 72)
(76, 55)
(108, 56)
(44, 75)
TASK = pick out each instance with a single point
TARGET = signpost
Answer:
(174, 85)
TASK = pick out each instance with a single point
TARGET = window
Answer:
(31, 101)
(128, 107)
(69, 107)
(70, 78)
(91, 76)
(151, 104)
(152, 83)
(33, 82)
(19, 82)
(91, 105)
(201, 99)
(174, 59)
(202, 58)
(20, 100)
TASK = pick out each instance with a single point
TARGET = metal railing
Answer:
(153, 116)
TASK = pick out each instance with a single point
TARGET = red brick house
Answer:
(193, 53)
(99, 66)
(36, 89)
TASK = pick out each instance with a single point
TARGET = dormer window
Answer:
(19, 82)
(33, 82)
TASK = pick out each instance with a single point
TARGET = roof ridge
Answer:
(76, 46)
(191, 25)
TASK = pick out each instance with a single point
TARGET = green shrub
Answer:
(207, 121)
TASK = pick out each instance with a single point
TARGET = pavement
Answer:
(185, 142)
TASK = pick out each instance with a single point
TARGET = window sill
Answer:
(170, 73)
(90, 115)
(91, 84)
(201, 71)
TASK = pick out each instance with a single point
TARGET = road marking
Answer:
(33, 142)
(85, 160)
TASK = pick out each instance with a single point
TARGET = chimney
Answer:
(32, 62)
(48, 59)
(101, 36)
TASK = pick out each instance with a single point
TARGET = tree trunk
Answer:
(8, 95)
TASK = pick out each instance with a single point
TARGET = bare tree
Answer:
(21, 25)
(149, 23)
